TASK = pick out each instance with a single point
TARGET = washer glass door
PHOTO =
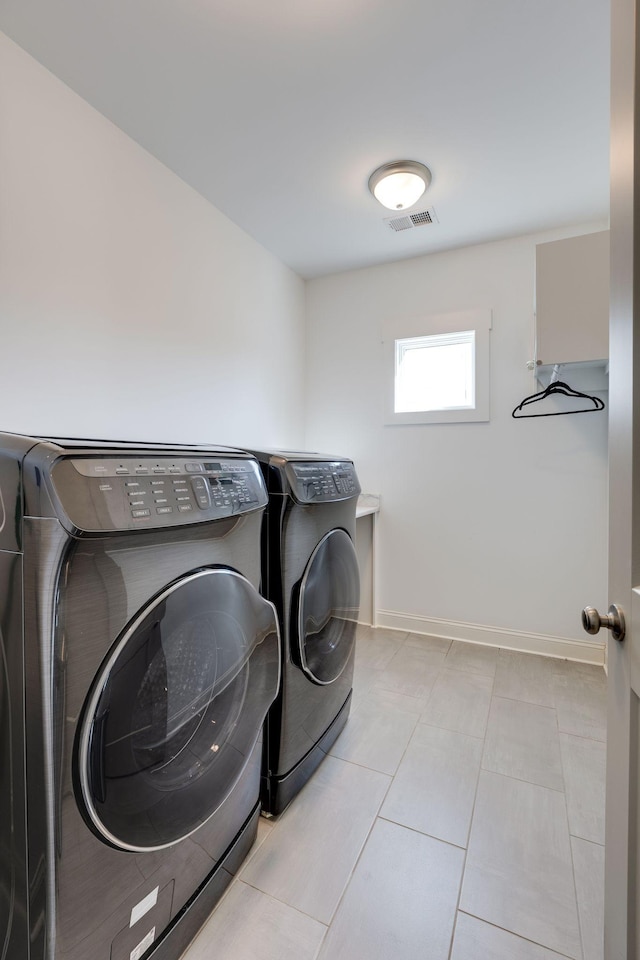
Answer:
(177, 709)
(328, 606)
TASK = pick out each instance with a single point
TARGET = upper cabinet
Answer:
(572, 299)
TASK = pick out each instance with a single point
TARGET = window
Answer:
(439, 369)
(436, 372)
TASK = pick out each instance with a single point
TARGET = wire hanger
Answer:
(557, 386)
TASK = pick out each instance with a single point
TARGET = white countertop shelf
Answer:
(368, 503)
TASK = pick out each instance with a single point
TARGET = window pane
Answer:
(435, 373)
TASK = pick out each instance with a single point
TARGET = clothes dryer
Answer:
(310, 571)
(137, 664)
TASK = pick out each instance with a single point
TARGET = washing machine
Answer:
(137, 664)
(310, 572)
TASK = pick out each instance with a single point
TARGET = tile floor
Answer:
(460, 816)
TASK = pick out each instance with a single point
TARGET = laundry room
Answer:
(134, 309)
(134, 301)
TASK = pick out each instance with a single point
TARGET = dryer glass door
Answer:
(328, 606)
(177, 709)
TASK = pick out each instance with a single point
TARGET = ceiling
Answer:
(277, 111)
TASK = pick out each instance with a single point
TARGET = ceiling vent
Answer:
(411, 220)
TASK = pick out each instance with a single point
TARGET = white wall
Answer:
(129, 306)
(488, 525)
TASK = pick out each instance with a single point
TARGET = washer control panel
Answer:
(105, 493)
(322, 481)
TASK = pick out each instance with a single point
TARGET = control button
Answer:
(157, 483)
(136, 503)
(161, 500)
(183, 507)
(158, 470)
(164, 509)
(193, 467)
(137, 493)
(141, 513)
(142, 470)
(201, 490)
(131, 483)
(175, 470)
(181, 499)
(122, 469)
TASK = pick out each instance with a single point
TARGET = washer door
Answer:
(328, 606)
(177, 709)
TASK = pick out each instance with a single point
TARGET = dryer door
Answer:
(328, 606)
(177, 709)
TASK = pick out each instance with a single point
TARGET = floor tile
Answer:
(522, 742)
(476, 940)
(525, 676)
(363, 679)
(472, 658)
(411, 672)
(584, 763)
(249, 925)
(308, 857)
(401, 900)
(378, 731)
(387, 700)
(460, 702)
(381, 633)
(588, 864)
(425, 649)
(374, 650)
(378, 647)
(265, 826)
(519, 871)
(585, 671)
(581, 701)
(434, 788)
(423, 641)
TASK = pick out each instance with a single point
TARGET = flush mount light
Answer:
(399, 185)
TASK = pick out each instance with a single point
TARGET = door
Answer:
(328, 605)
(176, 710)
(622, 849)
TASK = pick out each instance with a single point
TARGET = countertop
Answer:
(367, 503)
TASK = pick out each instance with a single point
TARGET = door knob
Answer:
(614, 621)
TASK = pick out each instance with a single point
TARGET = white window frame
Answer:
(478, 321)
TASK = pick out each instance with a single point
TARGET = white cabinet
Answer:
(572, 299)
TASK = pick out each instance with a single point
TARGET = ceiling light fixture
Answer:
(399, 185)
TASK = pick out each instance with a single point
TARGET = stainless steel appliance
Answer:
(137, 663)
(310, 572)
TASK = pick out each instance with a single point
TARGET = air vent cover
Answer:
(411, 220)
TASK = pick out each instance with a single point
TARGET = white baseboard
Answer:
(584, 651)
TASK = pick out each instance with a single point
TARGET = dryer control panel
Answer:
(106, 494)
(323, 481)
